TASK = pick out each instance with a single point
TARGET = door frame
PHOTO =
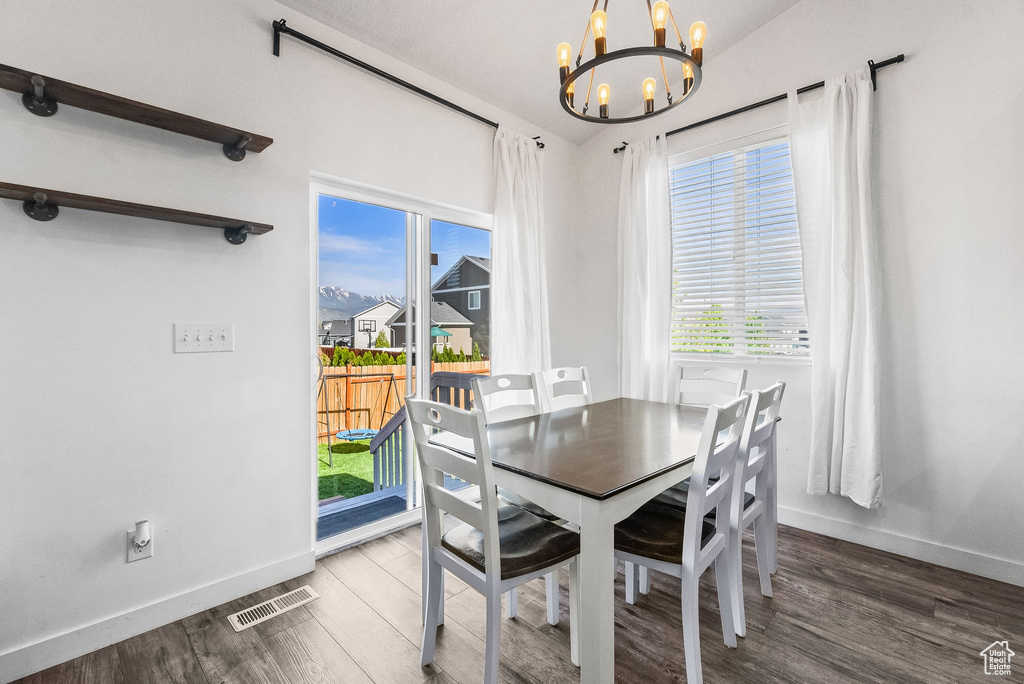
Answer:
(418, 284)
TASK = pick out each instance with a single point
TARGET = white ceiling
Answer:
(504, 52)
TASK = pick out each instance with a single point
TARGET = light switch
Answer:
(203, 337)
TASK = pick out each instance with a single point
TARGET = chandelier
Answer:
(660, 16)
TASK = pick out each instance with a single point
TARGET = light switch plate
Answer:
(133, 555)
(203, 337)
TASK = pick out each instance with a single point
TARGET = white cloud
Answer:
(334, 244)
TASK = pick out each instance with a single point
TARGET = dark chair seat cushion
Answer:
(676, 495)
(656, 531)
(526, 504)
(528, 543)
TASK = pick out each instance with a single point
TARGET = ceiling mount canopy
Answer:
(647, 85)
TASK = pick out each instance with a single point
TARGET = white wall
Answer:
(100, 424)
(950, 144)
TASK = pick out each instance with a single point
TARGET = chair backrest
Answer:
(700, 386)
(719, 455)
(759, 427)
(507, 397)
(431, 419)
(563, 388)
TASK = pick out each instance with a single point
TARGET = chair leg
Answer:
(725, 579)
(691, 628)
(434, 594)
(440, 601)
(493, 637)
(551, 591)
(632, 583)
(772, 503)
(761, 548)
(512, 603)
(736, 568)
(574, 612)
(645, 580)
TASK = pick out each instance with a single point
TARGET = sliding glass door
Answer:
(379, 273)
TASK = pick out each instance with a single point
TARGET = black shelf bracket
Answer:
(40, 208)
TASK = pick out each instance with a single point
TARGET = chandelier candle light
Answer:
(660, 16)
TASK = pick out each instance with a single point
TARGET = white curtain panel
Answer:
(645, 271)
(831, 150)
(519, 293)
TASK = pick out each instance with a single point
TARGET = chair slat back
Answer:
(760, 425)
(563, 388)
(718, 455)
(432, 424)
(701, 386)
(507, 397)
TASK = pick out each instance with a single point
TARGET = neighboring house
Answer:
(443, 316)
(466, 287)
(367, 324)
(337, 333)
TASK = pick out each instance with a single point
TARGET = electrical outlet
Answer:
(203, 337)
(147, 550)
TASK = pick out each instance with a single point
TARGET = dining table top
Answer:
(598, 450)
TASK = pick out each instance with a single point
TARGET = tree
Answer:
(462, 356)
(367, 359)
(382, 341)
(476, 352)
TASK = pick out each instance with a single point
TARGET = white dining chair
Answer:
(563, 388)
(703, 386)
(508, 397)
(497, 547)
(695, 386)
(684, 544)
(760, 505)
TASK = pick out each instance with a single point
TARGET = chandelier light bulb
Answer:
(659, 17)
(649, 85)
(599, 25)
(698, 33)
(570, 91)
(564, 51)
(687, 78)
(603, 93)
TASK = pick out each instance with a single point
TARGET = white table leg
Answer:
(597, 595)
(772, 502)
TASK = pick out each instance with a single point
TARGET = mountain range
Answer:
(336, 302)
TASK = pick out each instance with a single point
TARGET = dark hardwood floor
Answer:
(841, 613)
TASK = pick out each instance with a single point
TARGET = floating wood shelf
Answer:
(44, 205)
(42, 94)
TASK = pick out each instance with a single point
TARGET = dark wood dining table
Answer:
(593, 466)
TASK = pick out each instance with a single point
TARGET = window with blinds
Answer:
(737, 284)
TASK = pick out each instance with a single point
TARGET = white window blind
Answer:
(737, 284)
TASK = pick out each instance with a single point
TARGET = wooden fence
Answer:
(366, 397)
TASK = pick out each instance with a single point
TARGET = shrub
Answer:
(382, 341)
(462, 356)
(341, 355)
(400, 360)
(476, 352)
(367, 359)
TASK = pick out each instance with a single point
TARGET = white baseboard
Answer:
(31, 658)
(958, 559)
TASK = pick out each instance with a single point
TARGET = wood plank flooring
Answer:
(840, 614)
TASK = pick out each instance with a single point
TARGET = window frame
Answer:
(469, 302)
(714, 149)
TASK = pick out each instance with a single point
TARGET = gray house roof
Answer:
(341, 328)
(440, 314)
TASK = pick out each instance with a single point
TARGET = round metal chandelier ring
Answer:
(649, 50)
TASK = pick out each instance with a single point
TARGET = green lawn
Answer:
(352, 474)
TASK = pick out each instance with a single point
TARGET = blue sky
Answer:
(362, 246)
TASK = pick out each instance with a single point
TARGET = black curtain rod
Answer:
(874, 66)
(281, 26)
